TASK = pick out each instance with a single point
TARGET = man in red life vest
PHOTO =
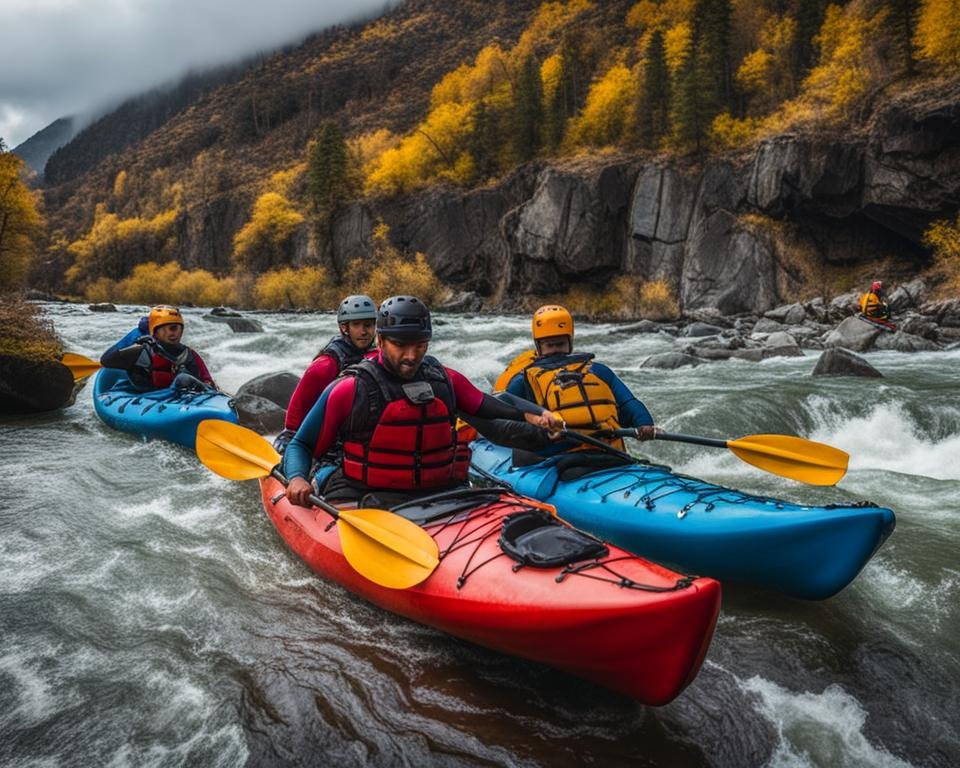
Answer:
(396, 417)
(156, 359)
(357, 317)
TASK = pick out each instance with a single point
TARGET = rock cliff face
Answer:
(548, 227)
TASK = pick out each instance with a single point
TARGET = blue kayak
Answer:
(168, 414)
(807, 552)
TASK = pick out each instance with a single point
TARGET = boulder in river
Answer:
(244, 325)
(788, 314)
(905, 342)
(853, 333)
(669, 360)
(698, 329)
(842, 362)
(259, 414)
(277, 387)
(104, 306)
(33, 386)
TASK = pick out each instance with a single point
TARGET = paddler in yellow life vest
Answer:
(872, 304)
(587, 395)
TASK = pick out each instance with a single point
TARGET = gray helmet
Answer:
(404, 319)
(356, 308)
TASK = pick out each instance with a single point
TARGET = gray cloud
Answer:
(62, 57)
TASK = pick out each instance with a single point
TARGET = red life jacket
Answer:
(402, 434)
(163, 369)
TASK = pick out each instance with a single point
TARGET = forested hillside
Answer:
(252, 176)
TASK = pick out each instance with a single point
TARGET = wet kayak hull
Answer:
(808, 552)
(646, 644)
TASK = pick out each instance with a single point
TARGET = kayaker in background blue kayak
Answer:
(396, 416)
(357, 319)
(156, 359)
(587, 395)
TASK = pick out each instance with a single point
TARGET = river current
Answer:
(150, 615)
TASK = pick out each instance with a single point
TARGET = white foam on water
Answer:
(817, 729)
(886, 438)
(35, 701)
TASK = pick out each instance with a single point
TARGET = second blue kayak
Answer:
(809, 552)
(167, 414)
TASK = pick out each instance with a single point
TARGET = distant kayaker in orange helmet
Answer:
(156, 359)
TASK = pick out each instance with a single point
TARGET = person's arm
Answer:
(315, 379)
(203, 372)
(124, 353)
(316, 435)
(473, 402)
(632, 412)
(509, 433)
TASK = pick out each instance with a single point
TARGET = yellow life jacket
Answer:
(515, 366)
(872, 305)
(576, 394)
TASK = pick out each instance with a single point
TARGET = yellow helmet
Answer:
(163, 315)
(552, 320)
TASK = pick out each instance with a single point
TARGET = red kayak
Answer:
(614, 618)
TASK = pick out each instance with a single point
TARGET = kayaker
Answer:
(156, 359)
(872, 303)
(395, 414)
(357, 318)
(587, 395)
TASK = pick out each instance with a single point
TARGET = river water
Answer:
(151, 616)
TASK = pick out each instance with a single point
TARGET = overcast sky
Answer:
(63, 57)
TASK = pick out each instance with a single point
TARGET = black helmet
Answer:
(357, 307)
(404, 319)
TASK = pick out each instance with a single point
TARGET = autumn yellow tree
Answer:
(20, 222)
(608, 115)
(937, 36)
(266, 240)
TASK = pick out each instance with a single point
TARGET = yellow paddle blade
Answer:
(234, 452)
(514, 367)
(79, 366)
(387, 549)
(793, 457)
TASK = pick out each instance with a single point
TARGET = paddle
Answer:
(784, 455)
(387, 549)
(79, 366)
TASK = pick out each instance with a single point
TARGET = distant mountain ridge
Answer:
(36, 150)
(133, 120)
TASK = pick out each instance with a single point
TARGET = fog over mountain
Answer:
(66, 57)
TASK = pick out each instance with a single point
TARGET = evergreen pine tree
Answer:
(526, 114)
(653, 119)
(485, 141)
(328, 181)
(902, 21)
(809, 17)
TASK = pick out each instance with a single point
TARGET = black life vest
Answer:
(401, 434)
(343, 351)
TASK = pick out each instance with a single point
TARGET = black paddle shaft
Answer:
(712, 442)
(312, 498)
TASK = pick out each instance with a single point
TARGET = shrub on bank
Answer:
(26, 333)
(628, 297)
(153, 283)
(289, 288)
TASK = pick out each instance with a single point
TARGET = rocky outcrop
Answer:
(842, 362)
(853, 333)
(33, 386)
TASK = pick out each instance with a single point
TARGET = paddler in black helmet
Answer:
(396, 416)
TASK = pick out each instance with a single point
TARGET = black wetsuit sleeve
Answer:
(509, 433)
(124, 358)
(494, 408)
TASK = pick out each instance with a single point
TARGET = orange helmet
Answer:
(552, 320)
(163, 315)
